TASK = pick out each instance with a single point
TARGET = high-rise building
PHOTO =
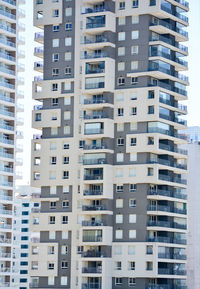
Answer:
(107, 160)
(11, 29)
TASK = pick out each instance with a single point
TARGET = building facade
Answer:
(107, 159)
(11, 29)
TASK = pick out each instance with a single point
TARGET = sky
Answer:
(193, 73)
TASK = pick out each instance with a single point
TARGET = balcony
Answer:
(7, 28)
(5, 198)
(5, 212)
(92, 238)
(95, 40)
(6, 170)
(7, 70)
(177, 105)
(6, 155)
(7, 14)
(94, 85)
(95, 147)
(95, 55)
(7, 56)
(6, 112)
(165, 162)
(95, 116)
(96, 101)
(170, 41)
(91, 270)
(5, 255)
(174, 13)
(93, 254)
(93, 177)
(95, 10)
(159, 53)
(168, 178)
(91, 286)
(11, 2)
(165, 286)
(5, 270)
(172, 149)
(7, 42)
(6, 184)
(173, 256)
(182, 92)
(167, 193)
(5, 241)
(167, 209)
(93, 131)
(6, 141)
(155, 66)
(166, 224)
(94, 208)
(167, 271)
(95, 22)
(91, 223)
(39, 37)
(167, 132)
(167, 240)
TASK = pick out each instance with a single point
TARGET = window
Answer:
(117, 250)
(122, 20)
(149, 249)
(65, 160)
(132, 234)
(118, 265)
(121, 51)
(120, 127)
(119, 234)
(67, 85)
(122, 5)
(56, 28)
(119, 219)
(119, 173)
(64, 265)
(64, 235)
(55, 57)
(64, 250)
(66, 175)
(68, 26)
(68, 70)
(51, 250)
(131, 282)
(34, 265)
(52, 205)
(120, 112)
(68, 56)
(52, 235)
(133, 110)
(135, 34)
(132, 203)
(133, 141)
(55, 42)
(121, 66)
(151, 94)
(133, 126)
(132, 188)
(134, 49)
(51, 266)
(131, 250)
(121, 81)
(39, 14)
(131, 266)
(50, 280)
(133, 157)
(36, 176)
(52, 190)
(65, 146)
(68, 41)
(118, 281)
(55, 71)
(134, 80)
(133, 96)
(67, 100)
(119, 203)
(64, 219)
(120, 189)
(65, 204)
(121, 36)
(150, 172)
(52, 220)
(53, 160)
(149, 266)
(67, 129)
(152, 2)
(54, 130)
(67, 115)
(151, 109)
(134, 65)
(135, 3)
(120, 141)
(54, 87)
(55, 13)
(135, 19)
(35, 250)
(63, 280)
(120, 157)
(150, 140)
(120, 97)
(54, 101)
(38, 117)
(68, 11)
(132, 219)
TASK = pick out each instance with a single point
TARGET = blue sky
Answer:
(193, 73)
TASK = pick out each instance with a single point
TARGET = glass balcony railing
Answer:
(95, 116)
(6, 112)
(95, 25)
(171, 103)
(6, 198)
(172, 149)
(96, 40)
(174, 256)
(174, 13)
(95, 55)
(6, 155)
(7, 127)
(95, 10)
(94, 208)
(7, 141)
(169, 240)
(93, 177)
(6, 184)
(91, 286)
(92, 270)
(7, 42)
(93, 192)
(167, 271)
(92, 238)
(7, 28)
(169, 178)
(94, 85)
(167, 132)
(168, 25)
(12, 2)
(159, 53)
(166, 209)
(183, 2)
(167, 224)
(95, 223)
(167, 193)
(7, 56)
(7, 14)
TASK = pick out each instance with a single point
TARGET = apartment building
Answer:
(10, 96)
(107, 158)
(24, 205)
